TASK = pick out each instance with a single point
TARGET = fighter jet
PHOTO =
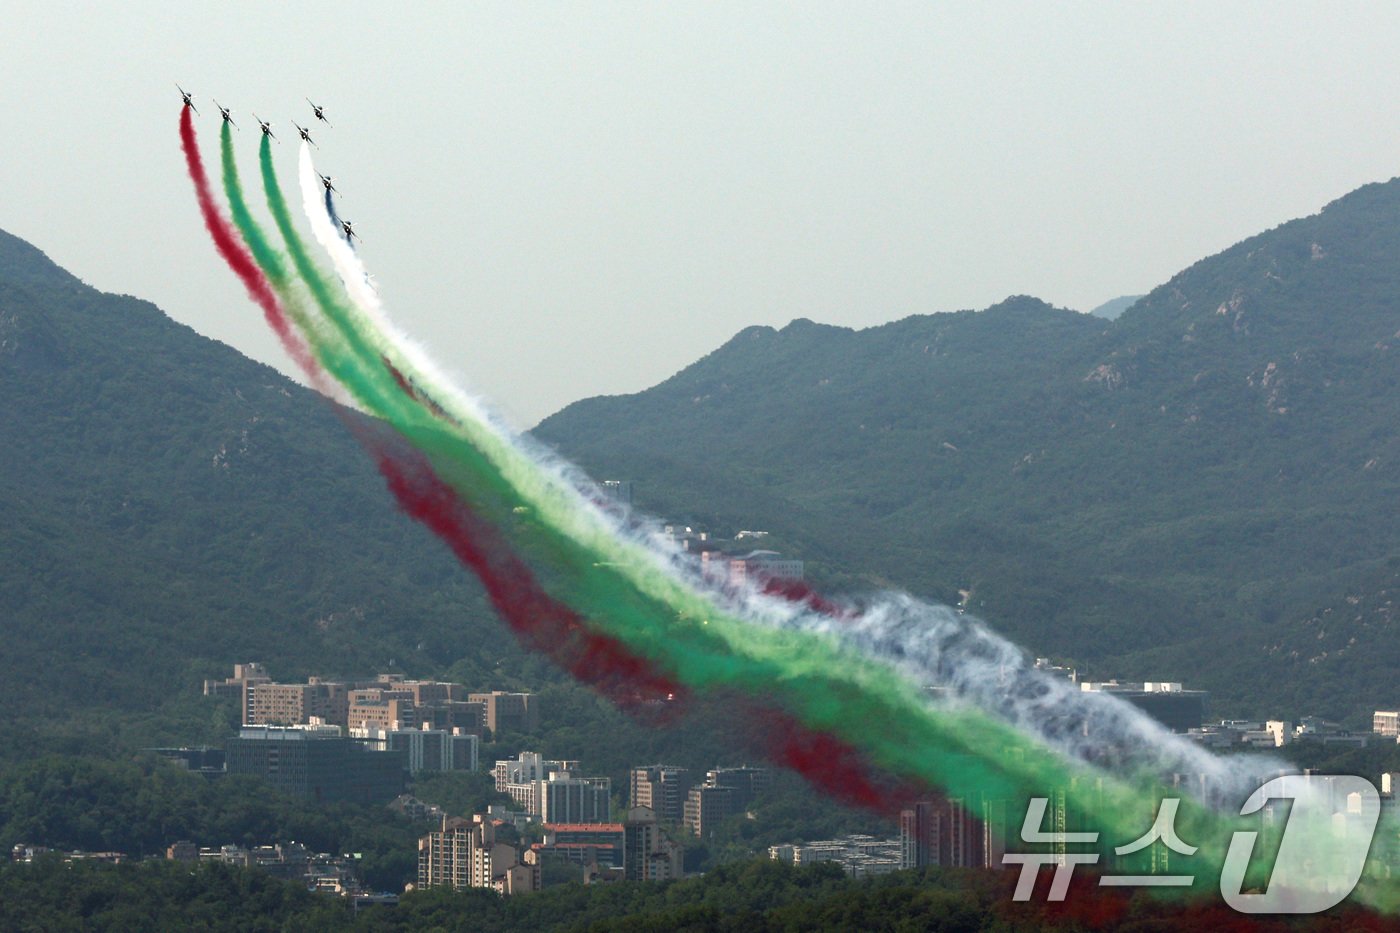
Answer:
(319, 111)
(305, 134)
(326, 180)
(224, 112)
(188, 97)
(350, 233)
(266, 127)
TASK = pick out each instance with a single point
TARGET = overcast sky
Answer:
(570, 200)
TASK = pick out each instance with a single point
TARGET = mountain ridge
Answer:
(1131, 493)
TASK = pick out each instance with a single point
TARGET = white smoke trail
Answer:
(927, 644)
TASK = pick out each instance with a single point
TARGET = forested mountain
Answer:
(1202, 490)
(169, 507)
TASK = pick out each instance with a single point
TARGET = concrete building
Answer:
(386, 700)
(600, 844)
(425, 749)
(509, 712)
(725, 793)
(239, 686)
(466, 854)
(859, 855)
(527, 768)
(317, 762)
(566, 798)
(1178, 709)
(662, 788)
(759, 567)
(1386, 723)
(292, 704)
(382, 708)
(617, 490)
(705, 807)
(958, 832)
(650, 855)
(745, 782)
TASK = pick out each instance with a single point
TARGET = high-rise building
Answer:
(466, 854)
(957, 833)
(650, 855)
(705, 806)
(663, 788)
(564, 798)
(746, 783)
(919, 829)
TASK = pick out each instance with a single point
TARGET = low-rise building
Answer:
(1167, 702)
(859, 855)
(601, 844)
(317, 762)
(425, 749)
(1386, 722)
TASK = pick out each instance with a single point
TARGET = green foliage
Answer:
(169, 508)
(141, 807)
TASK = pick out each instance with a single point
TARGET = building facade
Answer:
(465, 854)
(509, 712)
(662, 788)
(317, 763)
(650, 855)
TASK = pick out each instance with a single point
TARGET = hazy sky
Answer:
(568, 200)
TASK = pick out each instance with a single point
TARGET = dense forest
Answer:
(745, 897)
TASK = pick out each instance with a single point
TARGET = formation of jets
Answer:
(266, 127)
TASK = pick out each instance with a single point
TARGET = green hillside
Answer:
(169, 507)
(1171, 495)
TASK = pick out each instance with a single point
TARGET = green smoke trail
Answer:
(352, 365)
(621, 591)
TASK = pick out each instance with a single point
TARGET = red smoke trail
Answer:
(231, 248)
(539, 621)
(797, 591)
(544, 624)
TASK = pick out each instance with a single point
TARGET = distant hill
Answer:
(1110, 309)
(169, 507)
(1178, 494)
